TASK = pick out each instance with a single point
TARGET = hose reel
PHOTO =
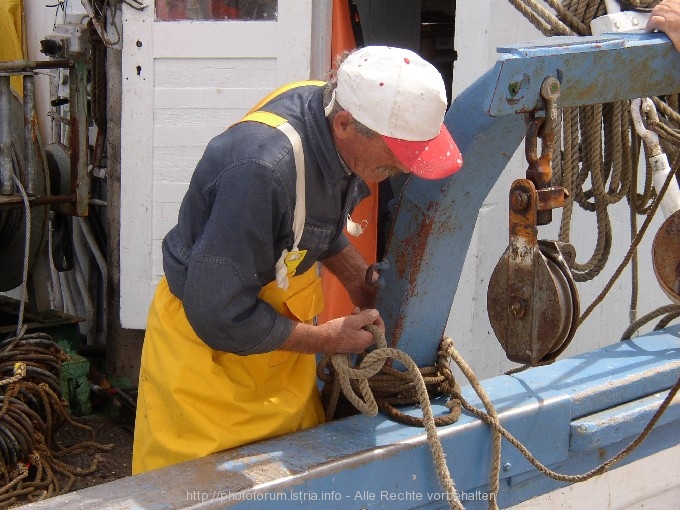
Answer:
(13, 220)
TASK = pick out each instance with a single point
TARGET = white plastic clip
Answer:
(356, 229)
(657, 158)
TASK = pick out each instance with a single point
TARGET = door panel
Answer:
(184, 81)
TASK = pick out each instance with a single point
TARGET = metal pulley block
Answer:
(666, 256)
(532, 301)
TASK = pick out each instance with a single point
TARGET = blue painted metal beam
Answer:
(564, 413)
(602, 69)
(433, 228)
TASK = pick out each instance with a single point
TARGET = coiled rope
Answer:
(410, 387)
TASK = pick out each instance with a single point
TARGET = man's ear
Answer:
(341, 124)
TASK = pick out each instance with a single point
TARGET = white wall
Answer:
(640, 484)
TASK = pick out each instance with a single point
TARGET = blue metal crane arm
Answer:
(590, 69)
(435, 220)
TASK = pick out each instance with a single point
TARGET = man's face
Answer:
(368, 156)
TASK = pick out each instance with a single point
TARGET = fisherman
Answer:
(229, 351)
(665, 17)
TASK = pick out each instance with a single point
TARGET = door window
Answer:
(245, 10)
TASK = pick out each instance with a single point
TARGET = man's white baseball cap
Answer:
(401, 96)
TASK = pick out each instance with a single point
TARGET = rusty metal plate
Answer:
(666, 257)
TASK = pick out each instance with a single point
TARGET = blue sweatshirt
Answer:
(236, 218)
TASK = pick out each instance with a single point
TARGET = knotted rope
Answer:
(410, 387)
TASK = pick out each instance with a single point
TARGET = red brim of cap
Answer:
(429, 159)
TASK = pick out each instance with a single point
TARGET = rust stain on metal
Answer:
(417, 247)
(551, 198)
(409, 259)
(398, 330)
(411, 251)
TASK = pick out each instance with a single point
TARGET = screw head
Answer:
(518, 309)
(519, 200)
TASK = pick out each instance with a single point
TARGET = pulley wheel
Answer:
(536, 327)
(666, 257)
(13, 221)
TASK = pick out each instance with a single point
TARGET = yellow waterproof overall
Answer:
(194, 401)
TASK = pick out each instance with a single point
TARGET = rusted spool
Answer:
(666, 257)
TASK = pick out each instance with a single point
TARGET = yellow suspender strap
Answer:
(285, 88)
(270, 119)
(288, 261)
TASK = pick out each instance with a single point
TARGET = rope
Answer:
(670, 311)
(495, 469)
(492, 420)
(343, 374)
(671, 316)
(636, 241)
(31, 411)
(541, 18)
(374, 361)
(27, 244)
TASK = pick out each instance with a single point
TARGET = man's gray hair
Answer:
(329, 96)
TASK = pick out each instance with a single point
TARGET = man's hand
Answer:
(347, 333)
(342, 335)
(666, 18)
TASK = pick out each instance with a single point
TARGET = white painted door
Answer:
(183, 83)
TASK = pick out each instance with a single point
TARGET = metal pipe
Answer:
(56, 297)
(99, 258)
(29, 133)
(92, 243)
(14, 201)
(67, 294)
(26, 66)
(81, 266)
(5, 137)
